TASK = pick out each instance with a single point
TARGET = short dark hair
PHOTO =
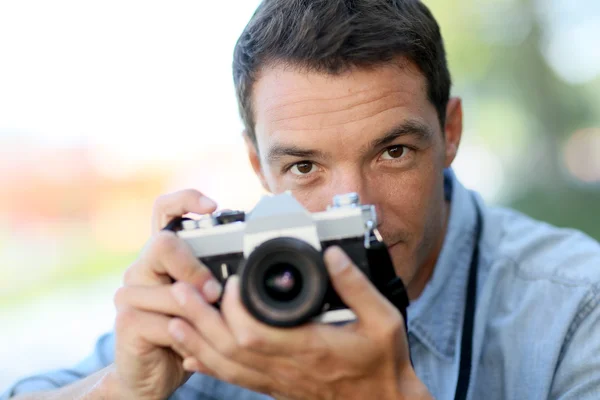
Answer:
(332, 36)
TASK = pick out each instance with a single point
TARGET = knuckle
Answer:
(120, 297)
(352, 277)
(398, 325)
(188, 266)
(181, 287)
(190, 193)
(159, 203)
(351, 271)
(129, 275)
(395, 327)
(390, 331)
(228, 348)
(204, 274)
(165, 241)
(202, 270)
(249, 341)
(125, 319)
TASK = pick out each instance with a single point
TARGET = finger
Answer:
(220, 366)
(190, 363)
(193, 365)
(143, 329)
(156, 299)
(169, 206)
(209, 323)
(177, 346)
(205, 318)
(356, 291)
(253, 335)
(170, 256)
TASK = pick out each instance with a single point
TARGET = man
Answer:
(340, 96)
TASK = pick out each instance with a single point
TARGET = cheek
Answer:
(406, 195)
(408, 205)
(410, 215)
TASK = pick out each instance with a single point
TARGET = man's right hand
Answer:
(145, 365)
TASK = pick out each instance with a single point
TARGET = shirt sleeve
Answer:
(102, 356)
(578, 373)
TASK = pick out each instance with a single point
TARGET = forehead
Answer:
(288, 100)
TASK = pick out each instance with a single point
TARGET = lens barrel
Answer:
(284, 282)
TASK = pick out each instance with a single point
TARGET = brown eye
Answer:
(303, 168)
(393, 152)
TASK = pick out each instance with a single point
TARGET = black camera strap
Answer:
(466, 344)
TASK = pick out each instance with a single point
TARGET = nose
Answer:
(369, 190)
(347, 181)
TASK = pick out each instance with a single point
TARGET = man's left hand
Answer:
(365, 359)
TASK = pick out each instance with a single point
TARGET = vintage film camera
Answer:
(277, 250)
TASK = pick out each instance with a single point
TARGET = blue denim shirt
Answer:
(537, 318)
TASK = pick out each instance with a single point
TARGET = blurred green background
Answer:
(97, 122)
(529, 72)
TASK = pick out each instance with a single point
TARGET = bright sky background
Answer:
(121, 73)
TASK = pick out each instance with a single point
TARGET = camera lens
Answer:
(283, 282)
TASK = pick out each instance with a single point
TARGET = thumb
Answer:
(356, 290)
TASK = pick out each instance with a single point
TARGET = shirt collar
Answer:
(435, 318)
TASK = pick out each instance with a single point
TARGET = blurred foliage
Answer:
(519, 106)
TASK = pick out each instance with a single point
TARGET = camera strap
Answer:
(466, 344)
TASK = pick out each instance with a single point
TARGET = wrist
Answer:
(411, 387)
(110, 386)
(405, 387)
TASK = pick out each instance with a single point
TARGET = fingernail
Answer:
(337, 260)
(205, 202)
(179, 294)
(176, 332)
(212, 290)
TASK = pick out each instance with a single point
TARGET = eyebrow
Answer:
(410, 127)
(279, 151)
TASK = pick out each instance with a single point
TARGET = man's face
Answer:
(371, 131)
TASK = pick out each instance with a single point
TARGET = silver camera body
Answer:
(277, 250)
